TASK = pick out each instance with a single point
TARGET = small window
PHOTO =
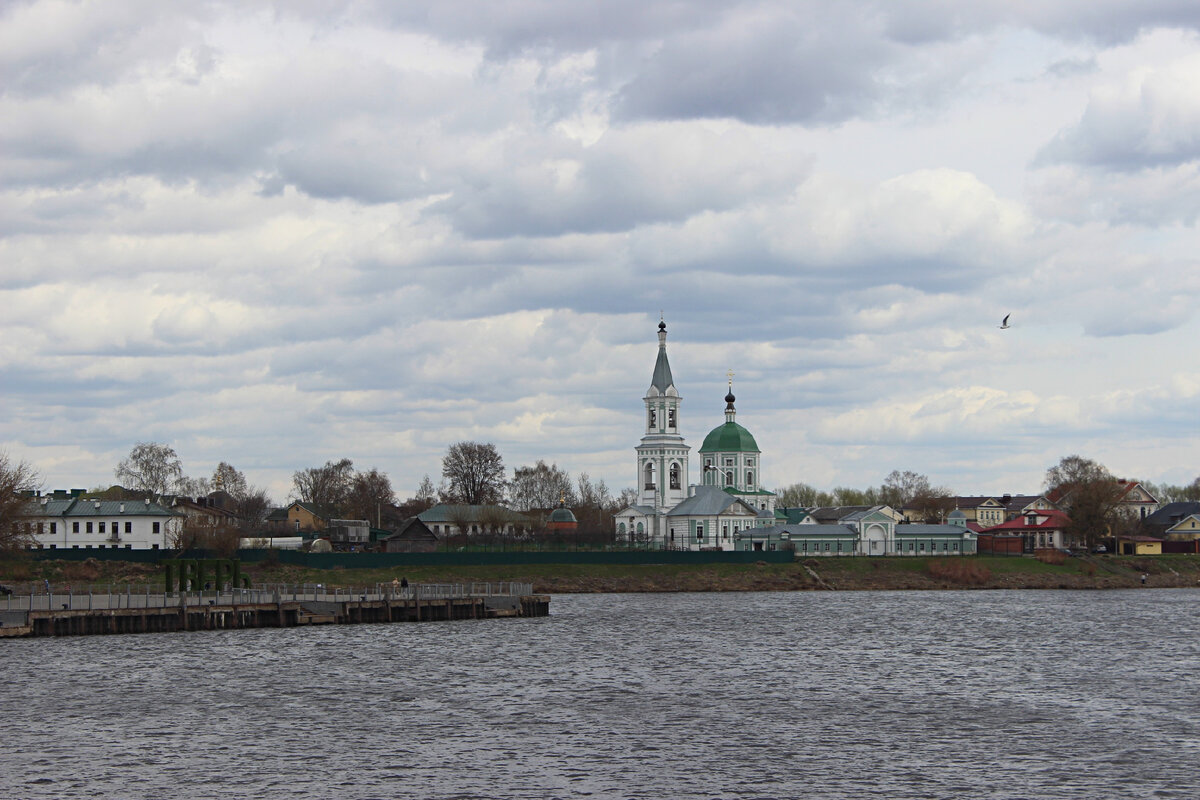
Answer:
(40, 529)
(671, 418)
(157, 529)
(54, 527)
(922, 547)
(130, 547)
(102, 527)
(74, 527)
(129, 527)
(89, 527)
(154, 546)
(956, 547)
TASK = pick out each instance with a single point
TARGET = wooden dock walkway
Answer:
(93, 613)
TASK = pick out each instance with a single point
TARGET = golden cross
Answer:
(730, 375)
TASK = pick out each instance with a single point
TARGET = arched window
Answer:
(621, 528)
(649, 475)
(640, 529)
(671, 418)
(729, 478)
(652, 422)
(675, 475)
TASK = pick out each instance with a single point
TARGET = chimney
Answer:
(97, 504)
(147, 501)
(122, 508)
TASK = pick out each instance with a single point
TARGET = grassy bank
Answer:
(974, 572)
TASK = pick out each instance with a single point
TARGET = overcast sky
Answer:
(279, 233)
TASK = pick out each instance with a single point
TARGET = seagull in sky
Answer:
(1004, 323)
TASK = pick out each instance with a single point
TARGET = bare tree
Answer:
(230, 480)
(801, 495)
(901, 488)
(17, 481)
(474, 474)
(325, 488)
(151, 467)
(540, 486)
(1090, 495)
(251, 509)
(369, 494)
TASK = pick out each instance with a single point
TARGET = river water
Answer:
(972, 694)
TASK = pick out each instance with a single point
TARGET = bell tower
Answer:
(662, 456)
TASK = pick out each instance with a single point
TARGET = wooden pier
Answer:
(263, 608)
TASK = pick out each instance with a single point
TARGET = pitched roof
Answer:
(1172, 513)
(708, 501)
(1053, 520)
(76, 507)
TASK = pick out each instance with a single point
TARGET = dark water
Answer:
(827, 695)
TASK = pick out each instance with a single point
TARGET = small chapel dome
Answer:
(562, 514)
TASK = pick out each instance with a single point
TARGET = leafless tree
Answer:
(1090, 495)
(540, 486)
(17, 480)
(151, 467)
(325, 488)
(370, 493)
(474, 474)
(230, 480)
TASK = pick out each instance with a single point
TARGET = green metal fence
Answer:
(439, 559)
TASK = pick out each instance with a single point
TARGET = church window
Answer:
(653, 419)
(649, 476)
(671, 418)
(640, 529)
(708, 462)
(729, 478)
(700, 532)
(749, 480)
(749, 462)
(675, 476)
(621, 528)
(729, 462)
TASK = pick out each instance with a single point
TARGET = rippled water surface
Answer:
(779, 695)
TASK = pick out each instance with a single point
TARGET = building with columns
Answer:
(672, 512)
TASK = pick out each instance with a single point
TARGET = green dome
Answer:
(729, 438)
(562, 514)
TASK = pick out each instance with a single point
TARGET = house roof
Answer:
(1050, 519)
(78, 507)
(411, 528)
(1172, 513)
(830, 514)
(708, 501)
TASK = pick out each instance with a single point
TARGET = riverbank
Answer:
(836, 574)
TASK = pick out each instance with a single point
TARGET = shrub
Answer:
(958, 570)
(1048, 556)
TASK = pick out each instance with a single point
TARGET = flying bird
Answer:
(1004, 323)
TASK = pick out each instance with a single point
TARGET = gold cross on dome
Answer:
(729, 374)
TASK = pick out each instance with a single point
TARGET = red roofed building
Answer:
(1040, 528)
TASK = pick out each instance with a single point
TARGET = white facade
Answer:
(71, 523)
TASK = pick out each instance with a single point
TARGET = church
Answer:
(729, 509)
(671, 512)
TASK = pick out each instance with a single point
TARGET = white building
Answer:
(670, 512)
(63, 521)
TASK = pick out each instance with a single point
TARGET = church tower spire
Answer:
(662, 455)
